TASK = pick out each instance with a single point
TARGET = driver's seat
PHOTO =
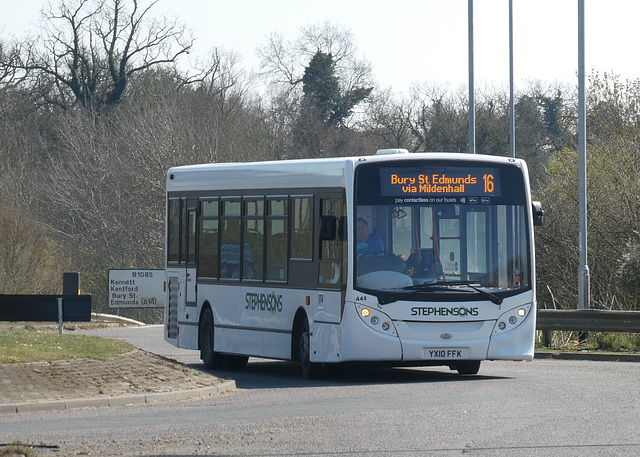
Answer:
(424, 264)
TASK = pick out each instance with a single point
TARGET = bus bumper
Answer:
(434, 342)
(365, 344)
(516, 344)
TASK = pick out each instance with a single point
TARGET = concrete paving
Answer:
(137, 377)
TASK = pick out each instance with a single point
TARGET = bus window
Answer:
(449, 245)
(181, 231)
(230, 240)
(173, 230)
(302, 227)
(253, 260)
(331, 270)
(208, 240)
(276, 242)
(191, 235)
(402, 229)
(477, 251)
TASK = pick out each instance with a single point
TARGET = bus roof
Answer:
(298, 173)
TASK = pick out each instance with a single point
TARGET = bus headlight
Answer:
(376, 320)
(511, 319)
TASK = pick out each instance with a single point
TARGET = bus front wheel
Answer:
(210, 358)
(468, 368)
(310, 370)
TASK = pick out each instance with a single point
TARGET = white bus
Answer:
(406, 259)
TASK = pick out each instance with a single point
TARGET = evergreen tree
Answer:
(321, 89)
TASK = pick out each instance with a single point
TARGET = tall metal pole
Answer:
(472, 104)
(512, 111)
(583, 269)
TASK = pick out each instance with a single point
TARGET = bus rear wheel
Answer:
(310, 370)
(210, 358)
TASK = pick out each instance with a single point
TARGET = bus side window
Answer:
(277, 238)
(302, 227)
(173, 238)
(191, 235)
(331, 269)
(253, 258)
(208, 255)
(230, 240)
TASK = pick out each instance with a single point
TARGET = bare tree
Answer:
(284, 62)
(30, 261)
(10, 73)
(90, 49)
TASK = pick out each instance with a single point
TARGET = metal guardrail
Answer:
(586, 320)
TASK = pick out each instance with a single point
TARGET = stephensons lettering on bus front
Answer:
(443, 311)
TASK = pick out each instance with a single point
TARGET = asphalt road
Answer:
(545, 407)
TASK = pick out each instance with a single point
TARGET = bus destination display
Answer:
(477, 182)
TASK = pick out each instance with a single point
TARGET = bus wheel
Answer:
(310, 370)
(236, 362)
(471, 367)
(210, 358)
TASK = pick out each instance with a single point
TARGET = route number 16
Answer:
(488, 183)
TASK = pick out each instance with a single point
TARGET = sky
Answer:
(409, 41)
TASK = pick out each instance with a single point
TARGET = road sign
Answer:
(136, 289)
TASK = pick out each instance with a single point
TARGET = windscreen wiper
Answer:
(413, 290)
(493, 297)
(440, 286)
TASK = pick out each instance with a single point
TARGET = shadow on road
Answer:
(260, 374)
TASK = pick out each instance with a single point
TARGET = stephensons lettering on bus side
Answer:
(264, 302)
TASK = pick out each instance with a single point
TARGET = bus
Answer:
(397, 258)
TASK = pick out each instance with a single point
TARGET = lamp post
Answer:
(583, 269)
(512, 114)
(472, 107)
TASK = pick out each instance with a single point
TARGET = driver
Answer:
(367, 242)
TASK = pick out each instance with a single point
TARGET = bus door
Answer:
(331, 271)
(332, 256)
(328, 304)
(463, 234)
(447, 245)
(181, 258)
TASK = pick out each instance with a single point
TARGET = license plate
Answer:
(444, 353)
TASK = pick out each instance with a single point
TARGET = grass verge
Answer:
(22, 345)
(591, 341)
